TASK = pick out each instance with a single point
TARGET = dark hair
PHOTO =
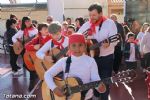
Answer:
(68, 18)
(34, 23)
(95, 6)
(72, 26)
(9, 22)
(23, 26)
(131, 35)
(126, 29)
(81, 20)
(40, 26)
(12, 16)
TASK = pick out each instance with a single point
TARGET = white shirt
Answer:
(20, 33)
(108, 29)
(47, 46)
(140, 36)
(132, 53)
(145, 43)
(83, 67)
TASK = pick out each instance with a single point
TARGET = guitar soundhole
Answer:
(68, 95)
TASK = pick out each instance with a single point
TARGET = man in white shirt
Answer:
(100, 29)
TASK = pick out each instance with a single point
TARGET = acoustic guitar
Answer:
(41, 65)
(94, 44)
(75, 85)
(19, 48)
(29, 59)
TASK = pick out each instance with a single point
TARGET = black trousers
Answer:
(105, 67)
(33, 74)
(147, 59)
(117, 58)
(13, 59)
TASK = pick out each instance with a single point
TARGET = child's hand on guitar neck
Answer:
(101, 88)
(49, 59)
(37, 46)
(106, 44)
(58, 91)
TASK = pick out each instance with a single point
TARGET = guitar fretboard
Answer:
(90, 85)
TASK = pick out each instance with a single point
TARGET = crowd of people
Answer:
(129, 49)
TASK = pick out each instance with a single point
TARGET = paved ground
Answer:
(10, 84)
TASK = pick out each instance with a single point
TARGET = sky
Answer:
(22, 1)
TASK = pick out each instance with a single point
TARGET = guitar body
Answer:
(95, 52)
(41, 65)
(29, 59)
(47, 95)
(76, 85)
(18, 49)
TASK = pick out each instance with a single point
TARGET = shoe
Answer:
(18, 67)
(15, 73)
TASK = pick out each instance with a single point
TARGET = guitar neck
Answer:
(61, 53)
(88, 86)
(111, 39)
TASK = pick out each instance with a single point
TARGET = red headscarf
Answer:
(92, 29)
(76, 37)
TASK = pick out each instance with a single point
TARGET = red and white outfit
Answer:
(37, 40)
(27, 32)
(83, 67)
(62, 43)
(108, 28)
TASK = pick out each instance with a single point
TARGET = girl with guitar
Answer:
(40, 40)
(11, 31)
(26, 32)
(35, 44)
(81, 66)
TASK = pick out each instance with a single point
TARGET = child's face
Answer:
(77, 49)
(77, 23)
(131, 39)
(70, 31)
(145, 27)
(28, 23)
(56, 36)
(65, 26)
(44, 31)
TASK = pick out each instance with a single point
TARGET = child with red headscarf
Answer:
(81, 66)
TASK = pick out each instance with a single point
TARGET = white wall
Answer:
(76, 8)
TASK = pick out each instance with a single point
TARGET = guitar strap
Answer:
(23, 42)
(67, 69)
(51, 93)
(97, 51)
(68, 62)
